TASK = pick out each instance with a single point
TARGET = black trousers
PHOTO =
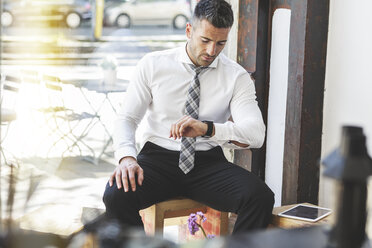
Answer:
(213, 181)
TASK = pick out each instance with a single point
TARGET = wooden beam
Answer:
(247, 34)
(280, 4)
(253, 55)
(307, 56)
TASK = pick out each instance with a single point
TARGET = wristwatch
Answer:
(209, 132)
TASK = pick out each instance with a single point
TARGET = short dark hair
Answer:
(216, 12)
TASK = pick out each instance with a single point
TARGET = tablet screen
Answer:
(304, 212)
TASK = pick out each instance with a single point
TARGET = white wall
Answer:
(348, 95)
(277, 101)
(232, 42)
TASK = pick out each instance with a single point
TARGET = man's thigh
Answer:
(161, 177)
(225, 186)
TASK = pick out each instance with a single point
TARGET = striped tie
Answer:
(187, 153)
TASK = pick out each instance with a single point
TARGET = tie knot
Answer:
(198, 69)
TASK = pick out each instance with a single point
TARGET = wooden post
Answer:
(307, 56)
(307, 59)
(253, 55)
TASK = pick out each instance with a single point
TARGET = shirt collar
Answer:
(184, 58)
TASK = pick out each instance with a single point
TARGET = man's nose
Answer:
(211, 49)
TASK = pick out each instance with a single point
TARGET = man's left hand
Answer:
(187, 127)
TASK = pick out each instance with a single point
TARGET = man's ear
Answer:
(188, 30)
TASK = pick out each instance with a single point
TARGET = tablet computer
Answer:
(306, 213)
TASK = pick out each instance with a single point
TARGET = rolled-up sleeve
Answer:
(247, 126)
(137, 98)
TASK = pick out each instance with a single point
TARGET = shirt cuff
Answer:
(221, 133)
(125, 152)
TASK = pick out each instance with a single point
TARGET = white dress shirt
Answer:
(160, 85)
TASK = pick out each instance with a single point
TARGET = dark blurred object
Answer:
(90, 214)
(312, 237)
(26, 238)
(350, 165)
(309, 237)
(69, 12)
(104, 232)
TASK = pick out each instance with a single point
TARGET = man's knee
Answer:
(122, 206)
(268, 198)
(110, 194)
(262, 197)
(114, 197)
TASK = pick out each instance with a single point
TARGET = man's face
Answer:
(205, 42)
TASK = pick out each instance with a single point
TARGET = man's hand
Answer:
(187, 127)
(128, 168)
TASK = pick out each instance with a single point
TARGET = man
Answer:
(189, 94)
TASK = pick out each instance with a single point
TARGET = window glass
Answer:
(71, 61)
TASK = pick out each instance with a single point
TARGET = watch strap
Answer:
(209, 132)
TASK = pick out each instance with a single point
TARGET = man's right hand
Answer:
(128, 168)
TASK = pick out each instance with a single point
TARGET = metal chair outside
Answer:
(68, 126)
(10, 86)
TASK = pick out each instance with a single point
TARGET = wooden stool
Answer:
(177, 207)
(287, 223)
